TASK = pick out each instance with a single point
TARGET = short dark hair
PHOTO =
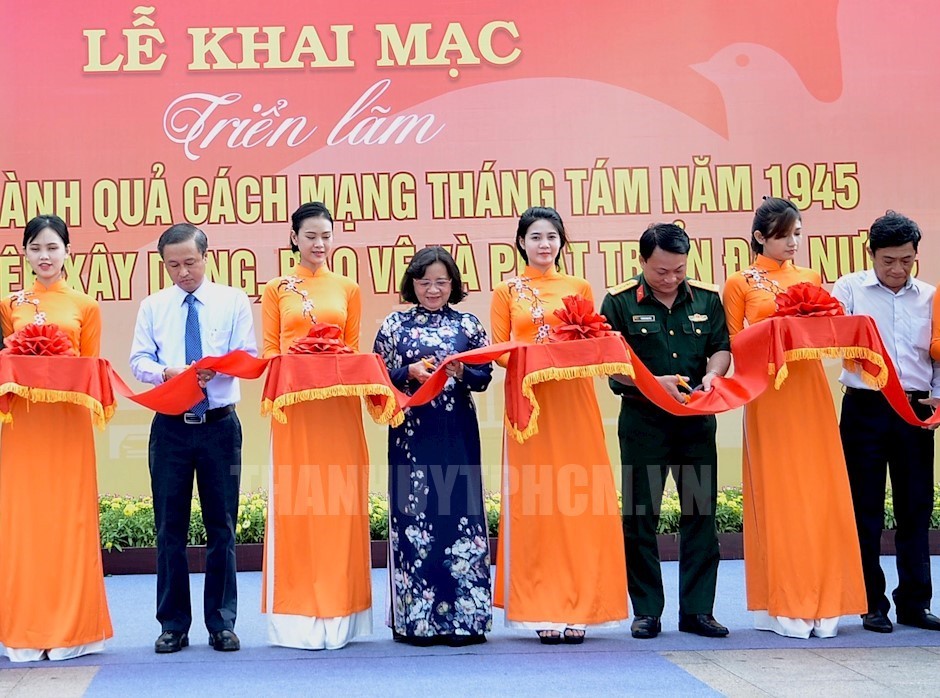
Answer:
(40, 223)
(893, 230)
(183, 232)
(419, 265)
(668, 237)
(774, 219)
(535, 213)
(312, 209)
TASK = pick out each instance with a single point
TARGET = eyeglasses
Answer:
(440, 284)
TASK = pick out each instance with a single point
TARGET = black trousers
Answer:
(653, 443)
(876, 440)
(213, 453)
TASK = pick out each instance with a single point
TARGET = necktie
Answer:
(194, 348)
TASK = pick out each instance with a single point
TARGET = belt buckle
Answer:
(192, 418)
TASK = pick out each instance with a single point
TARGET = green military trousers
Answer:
(653, 443)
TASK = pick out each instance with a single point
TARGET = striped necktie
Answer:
(194, 348)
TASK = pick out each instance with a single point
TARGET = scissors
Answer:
(682, 384)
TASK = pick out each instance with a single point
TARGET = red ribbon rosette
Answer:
(39, 340)
(323, 338)
(579, 321)
(806, 300)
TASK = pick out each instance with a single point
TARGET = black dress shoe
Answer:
(919, 619)
(171, 641)
(420, 640)
(703, 624)
(224, 641)
(877, 622)
(463, 640)
(646, 627)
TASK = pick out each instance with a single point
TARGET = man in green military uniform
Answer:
(677, 329)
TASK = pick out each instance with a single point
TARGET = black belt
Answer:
(912, 395)
(630, 393)
(208, 418)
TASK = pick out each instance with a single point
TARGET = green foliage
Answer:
(491, 503)
(729, 510)
(378, 516)
(127, 522)
(935, 516)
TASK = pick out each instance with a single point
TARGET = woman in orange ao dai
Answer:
(801, 554)
(317, 588)
(52, 596)
(560, 564)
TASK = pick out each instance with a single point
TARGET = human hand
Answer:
(171, 372)
(420, 371)
(204, 375)
(454, 370)
(933, 402)
(671, 385)
(707, 380)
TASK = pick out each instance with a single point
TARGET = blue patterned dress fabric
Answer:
(439, 562)
(194, 348)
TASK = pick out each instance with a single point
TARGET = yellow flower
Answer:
(130, 510)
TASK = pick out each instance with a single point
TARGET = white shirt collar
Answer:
(871, 279)
(200, 293)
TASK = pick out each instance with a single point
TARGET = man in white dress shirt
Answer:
(175, 327)
(876, 439)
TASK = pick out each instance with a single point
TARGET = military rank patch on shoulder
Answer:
(620, 288)
(701, 284)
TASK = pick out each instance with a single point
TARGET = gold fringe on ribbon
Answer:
(381, 415)
(15, 388)
(554, 373)
(100, 415)
(848, 354)
(387, 414)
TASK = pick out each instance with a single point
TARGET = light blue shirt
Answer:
(903, 320)
(225, 325)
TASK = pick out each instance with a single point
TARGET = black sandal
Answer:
(574, 636)
(549, 637)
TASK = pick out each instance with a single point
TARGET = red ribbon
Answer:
(757, 350)
(763, 346)
(433, 386)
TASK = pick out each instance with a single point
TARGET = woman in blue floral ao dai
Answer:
(439, 555)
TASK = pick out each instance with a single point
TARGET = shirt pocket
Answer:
(920, 332)
(639, 330)
(695, 332)
(219, 339)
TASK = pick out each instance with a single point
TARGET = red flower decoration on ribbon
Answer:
(579, 321)
(806, 300)
(323, 338)
(39, 340)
